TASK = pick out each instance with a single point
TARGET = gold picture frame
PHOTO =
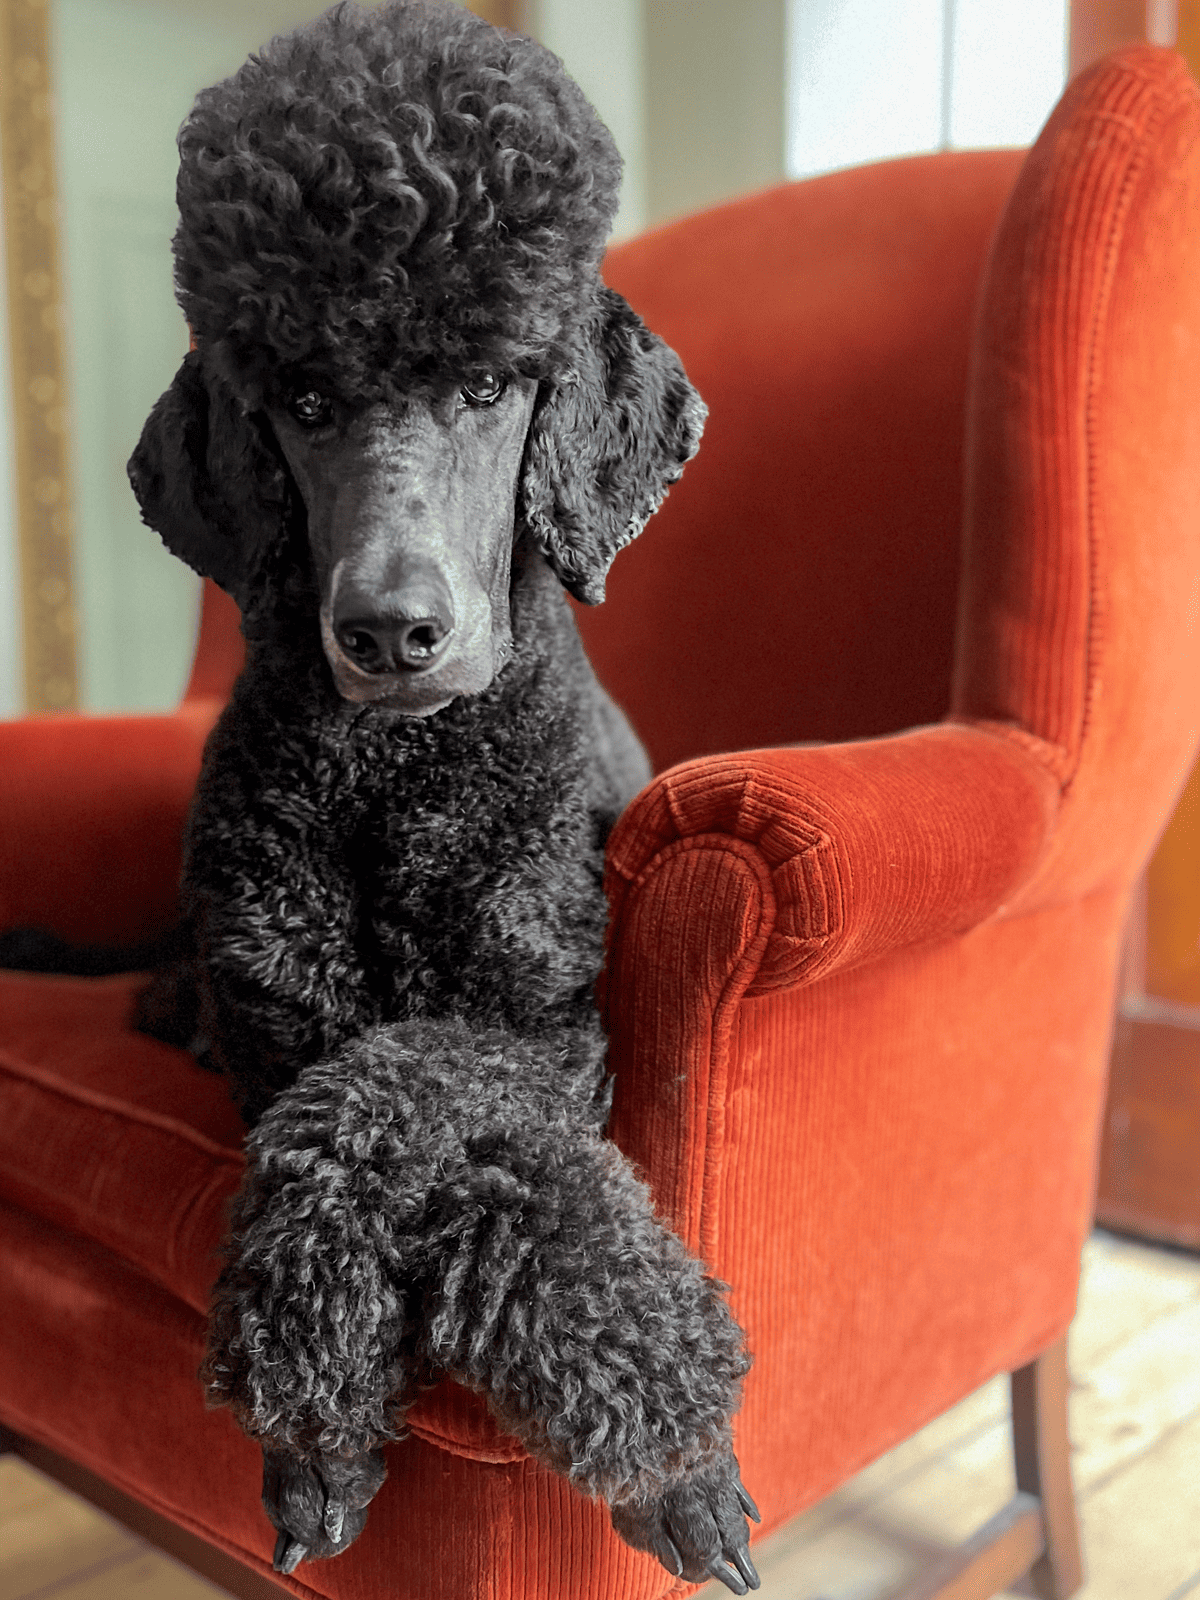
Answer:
(501, 13)
(37, 359)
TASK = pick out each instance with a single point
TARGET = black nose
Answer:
(403, 631)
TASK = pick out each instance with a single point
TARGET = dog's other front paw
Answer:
(318, 1504)
(697, 1528)
(168, 1008)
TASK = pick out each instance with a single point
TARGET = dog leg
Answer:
(313, 1337)
(598, 1340)
(392, 1223)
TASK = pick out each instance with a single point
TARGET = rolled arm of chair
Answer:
(92, 811)
(860, 848)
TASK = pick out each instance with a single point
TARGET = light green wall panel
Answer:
(600, 43)
(714, 73)
(127, 71)
(124, 82)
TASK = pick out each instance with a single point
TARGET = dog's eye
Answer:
(483, 390)
(310, 408)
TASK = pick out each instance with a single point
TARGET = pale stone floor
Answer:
(1135, 1423)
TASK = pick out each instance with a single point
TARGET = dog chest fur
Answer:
(348, 866)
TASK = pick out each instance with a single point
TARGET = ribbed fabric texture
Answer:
(858, 994)
(800, 581)
(136, 1181)
(92, 810)
(220, 648)
(77, 1031)
(1081, 583)
(862, 847)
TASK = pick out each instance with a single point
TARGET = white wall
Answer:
(868, 80)
(1008, 66)
(864, 81)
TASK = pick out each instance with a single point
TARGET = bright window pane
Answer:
(1009, 67)
(867, 79)
(864, 82)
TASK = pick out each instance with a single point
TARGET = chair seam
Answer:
(731, 993)
(51, 1083)
(1098, 341)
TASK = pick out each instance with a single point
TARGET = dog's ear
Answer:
(605, 442)
(209, 480)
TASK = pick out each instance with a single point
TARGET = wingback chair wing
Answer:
(865, 921)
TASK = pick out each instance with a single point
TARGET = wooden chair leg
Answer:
(1037, 1533)
(1042, 1451)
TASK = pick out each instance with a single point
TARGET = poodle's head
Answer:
(391, 226)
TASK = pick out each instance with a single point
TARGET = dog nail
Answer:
(746, 1503)
(289, 1553)
(741, 1560)
(728, 1577)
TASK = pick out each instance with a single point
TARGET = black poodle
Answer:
(412, 413)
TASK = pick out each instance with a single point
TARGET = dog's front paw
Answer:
(318, 1504)
(697, 1529)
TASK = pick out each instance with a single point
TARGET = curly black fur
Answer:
(439, 205)
(398, 920)
(440, 202)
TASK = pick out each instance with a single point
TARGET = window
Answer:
(868, 79)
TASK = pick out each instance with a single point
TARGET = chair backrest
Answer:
(801, 581)
(220, 648)
(1080, 626)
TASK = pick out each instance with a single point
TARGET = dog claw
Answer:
(745, 1501)
(728, 1577)
(744, 1576)
(675, 1555)
(697, 1527)
(289, 1553)
(741, 1560)
(319, 1504)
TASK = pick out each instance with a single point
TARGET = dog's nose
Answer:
(407, 630)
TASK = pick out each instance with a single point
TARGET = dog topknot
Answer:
(436, 206)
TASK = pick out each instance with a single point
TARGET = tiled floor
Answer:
(1135, 1359)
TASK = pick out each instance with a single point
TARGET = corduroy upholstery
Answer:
(859, 992)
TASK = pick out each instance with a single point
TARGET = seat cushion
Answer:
(118, 1157)
(80, 1028)
(127, 1144)
(100, 1364)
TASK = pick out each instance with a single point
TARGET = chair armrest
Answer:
(860, 848)
(879, 1134)
(92, 811)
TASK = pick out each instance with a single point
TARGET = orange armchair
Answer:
(859, 993)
